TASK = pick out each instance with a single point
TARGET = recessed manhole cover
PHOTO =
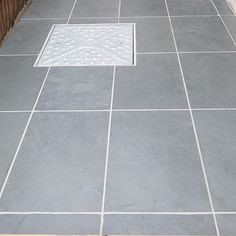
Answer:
(89, 45)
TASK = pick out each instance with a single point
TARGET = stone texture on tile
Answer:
(60, 166)
(12, 126)
(20, 83)
(159, 225)
(217, 132)
(154, 164)
(155, 82)
(77, 88)
(201, 34)
(49, 224)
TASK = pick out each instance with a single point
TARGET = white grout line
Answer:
(182, 52)
(108, 142)
(138, 53)
(155, 53)
(23, 135)
(44, 45)
(112, 234)
(114, 17)
(193, 124)
(107, 153)
(18, 55)
(195, 16)
(46, 18)
(173, 109)
(134, 45)
(47, 213)
(214, 109)
(119, 11)
(73, 7)
(68, 111)
(123, 110)
(225, 212)
(209, 52)
(74, 18)
(94, 17)
(155, 235)
(134, 110)
(174, 16)
(22, 111)
(223, 23)
(158, 213)
(116, 213)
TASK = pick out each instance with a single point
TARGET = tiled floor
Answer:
(142, 150)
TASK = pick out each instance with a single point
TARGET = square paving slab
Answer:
(60, 166)
(154, 164)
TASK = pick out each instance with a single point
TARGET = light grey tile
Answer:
(49, 224)
(223, 7)
(154, 83)
(154, 164)
(60, 166)
(191, 7)
(28, 36)
(230, 22)
(217, 135)
(77, 88)
(227, 225)
(153, 34)
(143, 8)
(49, 9)
(201, 34)
(96, 8)
(20, 82)
(12, 127)
(210, 79)
(159, 225)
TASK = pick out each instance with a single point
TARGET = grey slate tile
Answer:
(12, 126)
(155, 82)
(191, 7)
(143, 8)
(20, 82)
(201, 34)
(96, 8)
(60, 166)
(227, 225)
(210, 79)
(217, 132)
(93, 21)
(49, 224)
(153, 34)
(159, 225)
(154, 164)
(49, 9)
(77, 88)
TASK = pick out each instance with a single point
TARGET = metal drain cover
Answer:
(88, 45)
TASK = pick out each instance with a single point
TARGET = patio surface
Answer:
(142, 150)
